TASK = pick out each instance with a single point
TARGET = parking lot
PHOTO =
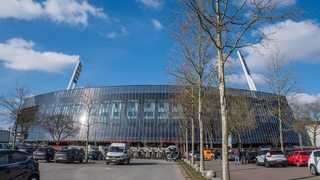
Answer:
(161, 169)
(252, 171)
(138, 169)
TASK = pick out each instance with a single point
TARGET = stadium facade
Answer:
(145, 114)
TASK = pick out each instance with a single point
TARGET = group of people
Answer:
(239, 156)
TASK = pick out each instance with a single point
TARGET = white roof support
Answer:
(245, 68)
(75, 76)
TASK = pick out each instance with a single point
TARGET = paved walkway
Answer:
(254, 172)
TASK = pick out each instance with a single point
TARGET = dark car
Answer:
(69, 155)
(196, 155)
(44, 153)
(250, 156)
(18, 165)
(96, 155)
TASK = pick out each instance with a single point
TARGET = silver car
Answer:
(271, 158)
(314, 162)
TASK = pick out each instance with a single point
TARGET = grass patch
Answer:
(195, 174)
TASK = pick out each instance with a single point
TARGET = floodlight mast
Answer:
(245, 68)
(75, 76)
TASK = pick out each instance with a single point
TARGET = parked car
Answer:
(18, 165)
(4, 146)
(250, 156)
(314, 162)
(208, 154)
(28, 149)
(271, 158)
(44, 153)
(196, 155)
(96, 155)
(298, 158)
(68, 155)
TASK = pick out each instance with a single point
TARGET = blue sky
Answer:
(124, 42)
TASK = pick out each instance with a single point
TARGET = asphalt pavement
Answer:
(254, 172)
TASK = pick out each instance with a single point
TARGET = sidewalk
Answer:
(216, 166)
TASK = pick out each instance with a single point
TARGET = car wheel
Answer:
(34, 177)
(257, 163)
(267, 164)
(313, 170)
(298, 163)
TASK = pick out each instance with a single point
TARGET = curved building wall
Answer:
(143, 114)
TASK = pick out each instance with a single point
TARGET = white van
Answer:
(117, 153)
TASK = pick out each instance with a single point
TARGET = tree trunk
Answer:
(202, 167)
(14, 137)
(224, 125)
(87, 143)
(186, 144)
(300, 141)
(192, 140)
(280, 123)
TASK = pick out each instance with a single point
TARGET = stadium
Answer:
(146, 115)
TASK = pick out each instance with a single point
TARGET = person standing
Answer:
(237, 157)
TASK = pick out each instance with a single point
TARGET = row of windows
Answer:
(144, 113)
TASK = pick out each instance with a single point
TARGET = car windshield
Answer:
(305, 153)
(317, 153)
(116, 149)
(276, 152)
(95, 152)
(41, 149)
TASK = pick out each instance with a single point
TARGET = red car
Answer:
(298, 158)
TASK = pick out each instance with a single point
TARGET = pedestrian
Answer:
(219, 154)
(243, 157)
(237, 157)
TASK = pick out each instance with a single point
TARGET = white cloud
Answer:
(155, 4)
(239, 79)
(157, 24)
(303, 98)
(26, 9)
(111, 34)
(67, 11)
(122, 32)
(297, 41)
(19, 54)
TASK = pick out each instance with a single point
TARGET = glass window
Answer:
(18, 157)
(163, 109)
(149, 108)
(116, 109)
(4, 158)
(132, 110)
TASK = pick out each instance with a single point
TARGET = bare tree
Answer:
(26, 118)
(313, 124)
(58, 126)
(194, 68)
(231, 25)
(281, 82)
(299, 125)
(187, 117)
(13, 102)
(211, 117)
(241, 118)
(90, 108)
